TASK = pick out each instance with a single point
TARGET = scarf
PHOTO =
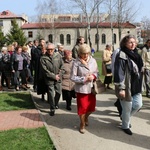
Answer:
(135, 57)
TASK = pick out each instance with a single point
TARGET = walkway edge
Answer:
(57, 147)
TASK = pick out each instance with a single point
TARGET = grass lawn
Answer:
(16, 101)
(22, 139)
(98, 57)
(26, 139)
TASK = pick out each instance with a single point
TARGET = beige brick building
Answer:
(65, 29)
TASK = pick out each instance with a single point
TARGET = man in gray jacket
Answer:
(52, 66)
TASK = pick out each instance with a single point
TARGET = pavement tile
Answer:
(20, 119)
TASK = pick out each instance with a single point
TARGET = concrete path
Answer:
(104, 130)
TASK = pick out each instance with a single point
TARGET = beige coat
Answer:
(106, 59)
(67, 84)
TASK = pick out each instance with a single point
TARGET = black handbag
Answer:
(108, 68)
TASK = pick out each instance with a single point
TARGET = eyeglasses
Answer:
(50, 49)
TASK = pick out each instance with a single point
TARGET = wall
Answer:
(83, 32)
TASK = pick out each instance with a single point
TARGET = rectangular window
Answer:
(1, 23)
(30, 34)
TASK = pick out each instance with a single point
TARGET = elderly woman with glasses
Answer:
(84, 71)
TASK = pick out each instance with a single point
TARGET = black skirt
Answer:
(68, 95)
(108, 80)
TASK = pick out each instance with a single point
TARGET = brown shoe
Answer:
(24, 87)
(27, 86)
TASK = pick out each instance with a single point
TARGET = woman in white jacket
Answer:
(84, 71)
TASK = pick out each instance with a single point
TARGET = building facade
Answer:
(65, 29)
(66, 33)
(6, 18)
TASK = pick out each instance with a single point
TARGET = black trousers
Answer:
(68, 95)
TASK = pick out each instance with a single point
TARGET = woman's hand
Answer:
(90, 78)
(83, 62)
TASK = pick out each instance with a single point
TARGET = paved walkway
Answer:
(104, 131)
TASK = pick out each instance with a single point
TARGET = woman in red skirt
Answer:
(84, 71)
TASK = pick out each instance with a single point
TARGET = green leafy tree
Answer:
(2, 38)
(16, 34)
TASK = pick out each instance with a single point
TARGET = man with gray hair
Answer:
(52, 67)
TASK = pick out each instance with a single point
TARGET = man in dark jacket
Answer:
(80, 41)
(52, 67)
(36, 54)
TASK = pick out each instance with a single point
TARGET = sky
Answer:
(28, 7)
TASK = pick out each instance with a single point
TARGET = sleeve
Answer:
(105, 57)
(74, 74)
(74, 52)
(119, 72)
(143, 55)
(46, 72)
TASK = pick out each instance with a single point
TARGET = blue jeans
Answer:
(129, 108)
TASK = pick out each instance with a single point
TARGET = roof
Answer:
(74, 25)
(6, 14)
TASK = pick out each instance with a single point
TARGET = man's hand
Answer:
(57, 77)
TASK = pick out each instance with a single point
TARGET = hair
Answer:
(41, 39)
(4, 49)
(9, 47)
(15, 44)
(67, 52)
(79, 39)
(24, 48)
(50, 44)
(125, 40)
(84, 48)
(18, 47)
(147, 41)
(108, 45)
(29, 42)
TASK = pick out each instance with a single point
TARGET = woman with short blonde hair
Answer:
(84, 72)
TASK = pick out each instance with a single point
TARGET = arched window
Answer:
(68, 38)
(114, 38)
(96, 38)
(50, 37)
(103, 39)
(61, 38)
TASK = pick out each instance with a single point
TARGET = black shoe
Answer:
(35, 90)
(52, 113)
(68, 108)
(127, 131)
(56, 107)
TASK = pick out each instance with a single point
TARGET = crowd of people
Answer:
(54, 71)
